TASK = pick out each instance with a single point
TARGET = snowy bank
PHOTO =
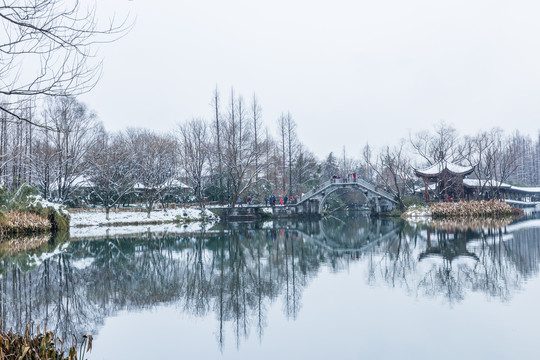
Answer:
(180, 215)
(417, 211)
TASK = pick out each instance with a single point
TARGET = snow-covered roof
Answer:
(478, 183)
(526, 189)
(79, 181)
(173, 183)
(438, 168)
(178, 183)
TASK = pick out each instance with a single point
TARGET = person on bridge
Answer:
(285, 200)
(281, 201)
(239, 201)
(265, 200)
(354, 177)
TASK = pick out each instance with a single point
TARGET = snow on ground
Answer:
(110, 231)
(417, 212)
(94, 224)
(130, 217)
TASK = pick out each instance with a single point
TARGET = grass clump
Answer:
(40, 346)
(492, 208)
(25, 223)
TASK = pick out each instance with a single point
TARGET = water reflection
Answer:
(236, 273)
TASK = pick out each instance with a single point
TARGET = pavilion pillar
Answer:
(426, 191)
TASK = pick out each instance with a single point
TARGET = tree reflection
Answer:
(450, 262)
(239, 272)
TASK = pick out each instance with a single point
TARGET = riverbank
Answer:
(91, 224)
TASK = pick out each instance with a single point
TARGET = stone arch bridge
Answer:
(312, 203)
(378, 200)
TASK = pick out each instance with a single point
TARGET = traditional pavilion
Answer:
(446, 178)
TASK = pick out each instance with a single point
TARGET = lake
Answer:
(346, 287)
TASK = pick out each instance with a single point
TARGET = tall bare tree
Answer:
(239, 156)
(217, 155)
(75, 130)
(193, 140)
(393, 170)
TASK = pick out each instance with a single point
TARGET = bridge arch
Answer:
(334, 189)
(379, 200)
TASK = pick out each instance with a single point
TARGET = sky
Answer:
(349, 72)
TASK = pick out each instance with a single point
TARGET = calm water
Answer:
(348, 287)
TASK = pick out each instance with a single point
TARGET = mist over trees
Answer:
(229, 154)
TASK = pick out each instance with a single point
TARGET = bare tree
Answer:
(282, 133)
(256, 120)
(218, 153)
(392, 168)
(443, 145)
(306, 170)
(477, 152)
(48, 47)
(156, 164)
(111, 172)
(239, 156)
(193, 142)
(75, 131)
(292, 143)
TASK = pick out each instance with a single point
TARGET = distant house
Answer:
(524, 194)
(483, 189)
(174, 191)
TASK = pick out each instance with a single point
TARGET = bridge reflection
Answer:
(237, 273)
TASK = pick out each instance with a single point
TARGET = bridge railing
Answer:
(360, 182)
(375, 190)
(316, 189)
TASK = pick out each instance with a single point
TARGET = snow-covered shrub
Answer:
(27, 200)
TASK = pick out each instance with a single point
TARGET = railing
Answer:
(360, 182)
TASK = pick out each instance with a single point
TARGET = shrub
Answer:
(22, 197)
(3, 218)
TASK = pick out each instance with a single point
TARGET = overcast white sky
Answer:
(348, 71)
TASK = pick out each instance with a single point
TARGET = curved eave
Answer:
(428, 173)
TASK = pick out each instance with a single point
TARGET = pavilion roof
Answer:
(478, 183)
(526, 189)
(437, 168)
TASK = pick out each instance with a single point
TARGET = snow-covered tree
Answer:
(155, 163)
(111, 171)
